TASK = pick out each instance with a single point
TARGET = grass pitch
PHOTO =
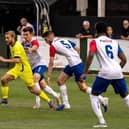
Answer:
(18, 114)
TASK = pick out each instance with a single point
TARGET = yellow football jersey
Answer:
(23, 68)
(18, 51)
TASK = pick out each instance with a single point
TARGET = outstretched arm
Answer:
(13, 60)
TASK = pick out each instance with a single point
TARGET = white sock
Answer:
(50, 91)
(101, 99)
(63, 90)
(96, 108)
(88, 90)
(37, 99)
(126, 99)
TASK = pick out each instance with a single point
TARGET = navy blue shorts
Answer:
(75, 71)
(100, 85)
(41, 69)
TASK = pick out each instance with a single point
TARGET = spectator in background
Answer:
(125, 30)
(109, 32)
(85, 31)
(24, 23)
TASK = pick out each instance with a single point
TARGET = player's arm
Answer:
(35, 46)
(92, 52)
(122, 57)
(12, 60)
(16, 56)
(50, 66)
(51, 63)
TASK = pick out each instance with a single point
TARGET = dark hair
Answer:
(28, 29)
(11, 33)
(101, 27)
(47, 33)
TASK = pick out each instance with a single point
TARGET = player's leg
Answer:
(36, 80)
(4, 88)
(62, 78)
(50, 91)
(41, 94)
(27, 77)
(120, 87)
(37, 85)
(78, 72)
(10, 75)
(38, 74)
(100, 85)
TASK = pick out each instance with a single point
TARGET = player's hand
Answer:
(29, 50)
(1, 59)
(49, 81)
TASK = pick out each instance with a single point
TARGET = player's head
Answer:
(23, 21)
(101, 27)
(109, 30)
(28, 33)
(48, 36)
(10, 37)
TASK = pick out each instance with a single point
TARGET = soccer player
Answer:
(38, 65)
(21, 69)
(75, 66)
(107, 51)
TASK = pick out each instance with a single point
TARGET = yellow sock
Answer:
(5, 90)
(44, 96)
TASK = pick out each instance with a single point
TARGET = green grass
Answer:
(18, 114)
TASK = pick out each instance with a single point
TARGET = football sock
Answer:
(127, 100)
(5, 90)
(37, 97)
(89, 90)
(50, 91)
(95, 104)
(63, 90)
(101, 99)
(44, 96)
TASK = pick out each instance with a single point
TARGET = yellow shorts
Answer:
(26, 75)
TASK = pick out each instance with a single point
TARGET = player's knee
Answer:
(36, 77)
(34, 90)
(83, 89)
(123, 95)
(31, 90)
(3, 80)
(60, 82)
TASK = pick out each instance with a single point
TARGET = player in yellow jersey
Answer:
(21, 69)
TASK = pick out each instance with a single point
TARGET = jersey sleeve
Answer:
(93, 47)
(35, 43)
(52, 51)
(120, 51)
